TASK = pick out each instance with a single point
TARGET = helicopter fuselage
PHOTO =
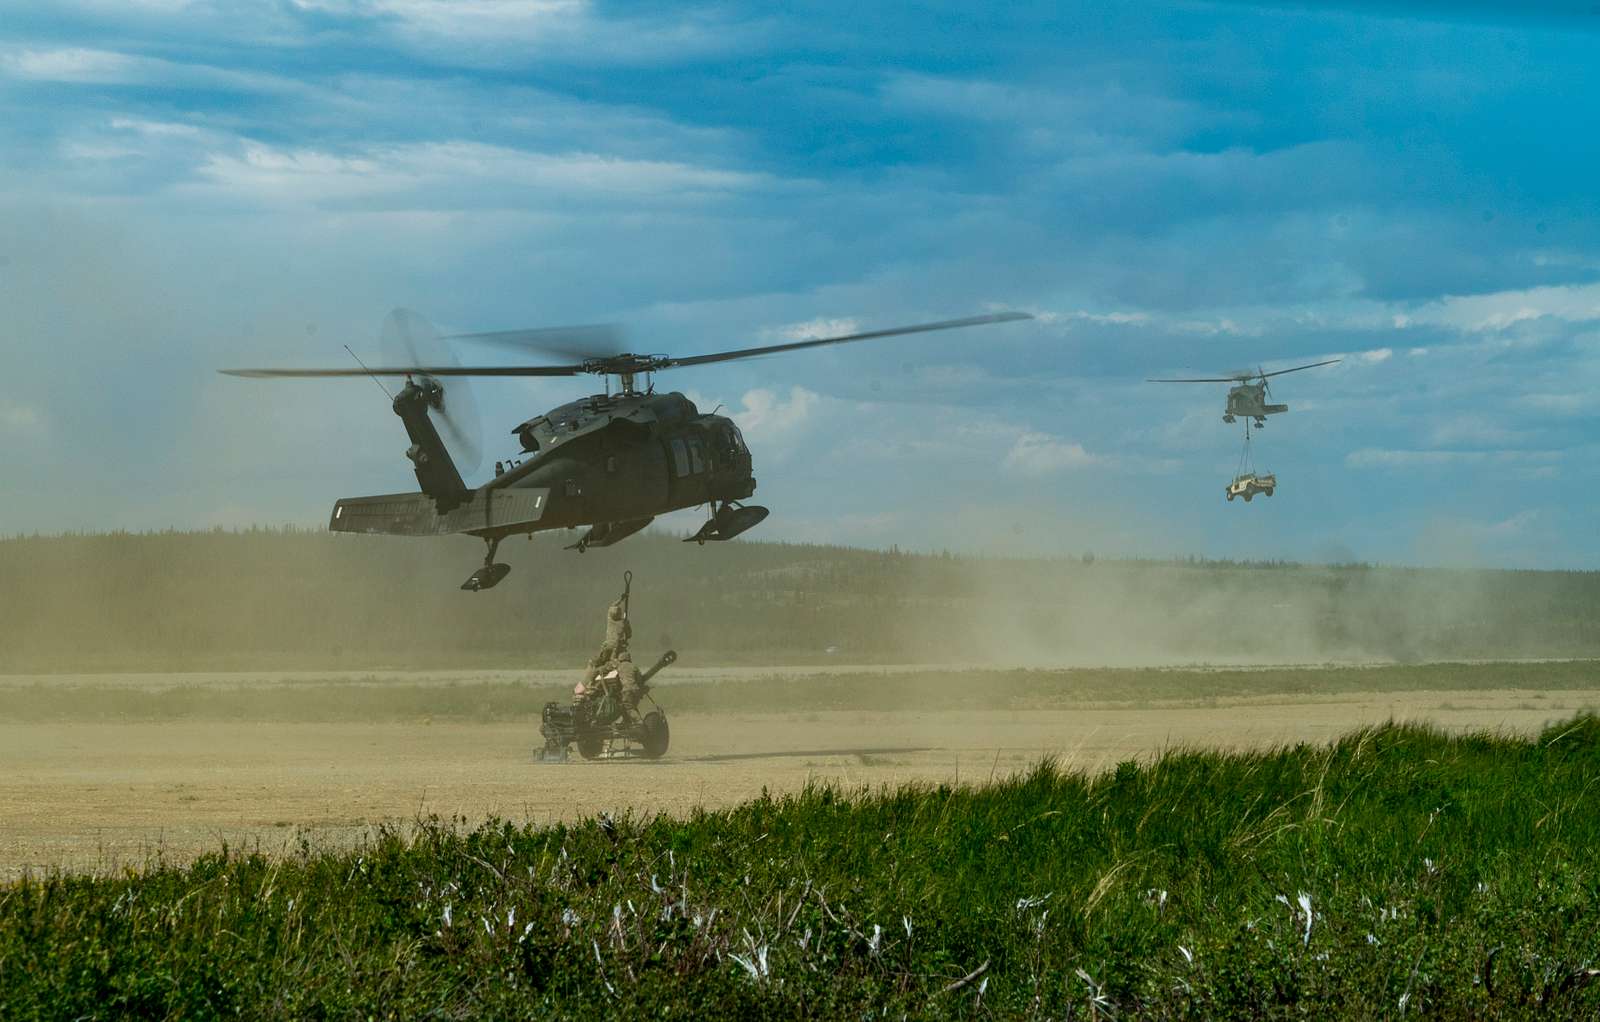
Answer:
(620, 458)
(612, 462)
(1249, 400)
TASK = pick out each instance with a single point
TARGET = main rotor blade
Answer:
(572, 370)
(1296, 369)
(597, 340)
(920, 328)
(1205, 379)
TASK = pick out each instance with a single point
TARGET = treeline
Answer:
(280, 599)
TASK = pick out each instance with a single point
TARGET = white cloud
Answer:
(160, 129)
(769, 419)
(460, 169)
(1381, 458)
(1568, 404)
(1516, 525)
(1499, 310)
(812, 329)
(72, 64)
(1102, 318)
(88, 66)
(1040, 454)
(20, 419)
(516, 32)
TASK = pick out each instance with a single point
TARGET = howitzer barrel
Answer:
(667, 659)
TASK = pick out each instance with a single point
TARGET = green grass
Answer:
(397, 700)
(1398, 871)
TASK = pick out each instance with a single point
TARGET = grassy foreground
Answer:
(1400, 871)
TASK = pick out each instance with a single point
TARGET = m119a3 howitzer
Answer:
(602, 724)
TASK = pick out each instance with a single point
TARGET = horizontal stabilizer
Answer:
(414, 514)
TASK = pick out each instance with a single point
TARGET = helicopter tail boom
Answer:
(485, 512)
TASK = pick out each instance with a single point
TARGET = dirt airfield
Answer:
(94, 794)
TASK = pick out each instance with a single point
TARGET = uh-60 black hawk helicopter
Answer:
(610, 461)
(1248, 396)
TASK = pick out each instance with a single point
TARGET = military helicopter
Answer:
(1250, 391)
(610, 461)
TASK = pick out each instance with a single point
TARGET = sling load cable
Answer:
(1247, 461)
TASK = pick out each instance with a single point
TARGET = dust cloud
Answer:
(262, 600)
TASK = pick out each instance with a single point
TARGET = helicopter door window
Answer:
(697, 456)
(680, 457)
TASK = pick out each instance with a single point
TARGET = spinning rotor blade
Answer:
(1245, 374)
(772, 349)
(311, 374)
(581, 343)
(440, 363)
(1296, 369)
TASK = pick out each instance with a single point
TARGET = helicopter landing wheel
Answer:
(490, 575)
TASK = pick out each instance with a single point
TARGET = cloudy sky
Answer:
(1175, 187)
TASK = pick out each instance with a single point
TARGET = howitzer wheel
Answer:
(590, 746)
(654, 735)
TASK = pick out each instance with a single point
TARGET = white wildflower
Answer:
(754, 963)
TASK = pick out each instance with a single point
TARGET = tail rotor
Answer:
(409, 339)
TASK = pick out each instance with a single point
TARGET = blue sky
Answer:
(1194, 186)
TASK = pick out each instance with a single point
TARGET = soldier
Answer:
(618, 632)
(629, 680)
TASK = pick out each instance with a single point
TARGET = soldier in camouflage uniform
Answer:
(618, 632)
(614, 656)
(632, 689)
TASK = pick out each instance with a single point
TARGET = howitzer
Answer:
(668, 658)
(630, 734)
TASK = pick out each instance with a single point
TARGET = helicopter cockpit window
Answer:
(680, 457)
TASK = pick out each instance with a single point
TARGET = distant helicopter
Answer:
(1246, 398)
(611, 461)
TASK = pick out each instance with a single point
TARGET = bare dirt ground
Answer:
(94, 795)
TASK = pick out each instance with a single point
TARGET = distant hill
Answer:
(285, 599)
